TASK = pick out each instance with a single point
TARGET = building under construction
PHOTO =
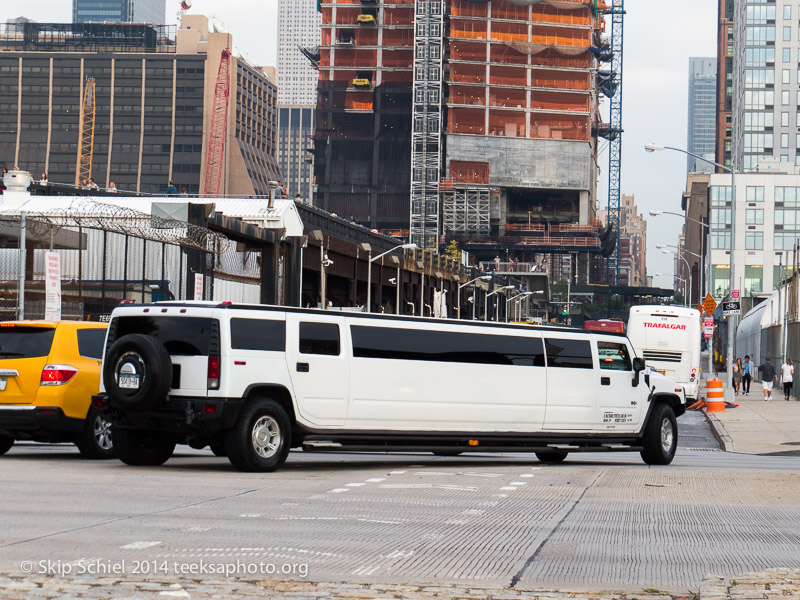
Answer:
(474, 120)
(138, 105)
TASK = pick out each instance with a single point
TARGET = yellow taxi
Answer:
(49, 371)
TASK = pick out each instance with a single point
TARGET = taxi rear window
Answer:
(25, 342)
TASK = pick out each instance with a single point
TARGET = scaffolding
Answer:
(426, 133)
(466, 210)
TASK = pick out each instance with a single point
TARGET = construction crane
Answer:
(215, 154)
(87, 133)
(614, 130)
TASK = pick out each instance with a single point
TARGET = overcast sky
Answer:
(659, 39)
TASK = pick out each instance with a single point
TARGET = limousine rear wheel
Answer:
(660, 436)
(261, 437)
(552, 457)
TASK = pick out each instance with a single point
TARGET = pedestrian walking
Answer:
(747, 375)
(769, 377)
(736, 367)
(787, 375)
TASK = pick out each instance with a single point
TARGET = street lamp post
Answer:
(486, 300)
(689, 272)
(371, 260)
(463, 285)
(685, 251)
(517, 299)
(731, 319)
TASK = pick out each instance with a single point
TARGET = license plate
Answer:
(129, 382)
(3, 383)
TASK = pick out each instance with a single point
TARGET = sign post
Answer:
(198, 286)
(52, 305)
(708, 327)
(731, 308)
(709, 304)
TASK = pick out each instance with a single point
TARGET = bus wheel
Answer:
(552, 457)
(446, 452)
(660, 436)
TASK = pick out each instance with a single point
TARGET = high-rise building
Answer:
(701, 135)
(765, 83)
(154, 102)
(119, 11)
(632, 242)
(724, 81)
(495, 104)
(299, 23)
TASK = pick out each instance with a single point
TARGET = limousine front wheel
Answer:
(660, 436)
(261, 437)
(552, 457)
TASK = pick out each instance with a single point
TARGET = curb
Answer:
(718, 429)
(775, 583)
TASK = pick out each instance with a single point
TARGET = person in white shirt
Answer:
(787, 374)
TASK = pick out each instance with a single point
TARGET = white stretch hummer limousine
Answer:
(254, 381)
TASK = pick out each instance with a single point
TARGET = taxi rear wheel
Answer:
(5, 444)
(96, 441)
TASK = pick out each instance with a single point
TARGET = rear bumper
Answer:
(29, 421)
(183, 415)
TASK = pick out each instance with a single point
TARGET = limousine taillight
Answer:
(213, 372)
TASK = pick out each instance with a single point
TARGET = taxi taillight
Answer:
(57, 374)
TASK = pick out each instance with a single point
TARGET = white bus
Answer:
(668, 338)
(254, 381)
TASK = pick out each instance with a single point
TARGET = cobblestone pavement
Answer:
(773, 584)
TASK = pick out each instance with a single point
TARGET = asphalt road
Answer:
(597, 521)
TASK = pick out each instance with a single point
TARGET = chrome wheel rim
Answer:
(667, 436)
(266, 437)
(102, 434)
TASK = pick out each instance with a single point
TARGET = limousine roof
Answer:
(357, 314)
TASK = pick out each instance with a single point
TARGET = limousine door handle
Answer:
(605, 381)
(302, 367)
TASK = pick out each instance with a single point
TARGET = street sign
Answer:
(731, 308)
(700, 307)
(708, 327)
(709, 304)
(735, 295)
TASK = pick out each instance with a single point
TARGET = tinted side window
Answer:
(570, 354)
(90, 342)
(25, 342)
(258, 334)
(186, 336)
(445, 346)
(613, 356)
(319, 338)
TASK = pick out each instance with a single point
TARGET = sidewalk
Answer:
(757, 426)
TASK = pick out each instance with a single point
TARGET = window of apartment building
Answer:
(721, 277)
(759, 99)
(787, 55)
(784, 158)
(785, 76)
(787, 218)
(755, 193)
(784, 241)
(720, 195)
(720, 218)
(784, 140)
(787, 11)
(759, 14)
(753, 277)
(758, 57)
(785, 97)
(784, 119)
(787, 34)
(787, 196)
(756, 121)
(757, 142)
(758, 77)
(720, 240)
(754, 240)
(754, 216)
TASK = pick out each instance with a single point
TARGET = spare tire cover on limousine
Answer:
(137, 372)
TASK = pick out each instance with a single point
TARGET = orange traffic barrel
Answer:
(715, 398)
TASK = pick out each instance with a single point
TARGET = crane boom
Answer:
(215, 154)
(87, 132)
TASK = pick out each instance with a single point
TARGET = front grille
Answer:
(662, 356)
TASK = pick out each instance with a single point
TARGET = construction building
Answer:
(299, 26)
(724, 136)
(159, 101)
(468, 120)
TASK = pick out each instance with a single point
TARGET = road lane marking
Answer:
(140, 545)
(509, 488)
(376, 480)
(339, 490)
(354, 484)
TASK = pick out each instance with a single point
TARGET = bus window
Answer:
(614, 356)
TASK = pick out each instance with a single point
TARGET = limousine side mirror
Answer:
(638, 367)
